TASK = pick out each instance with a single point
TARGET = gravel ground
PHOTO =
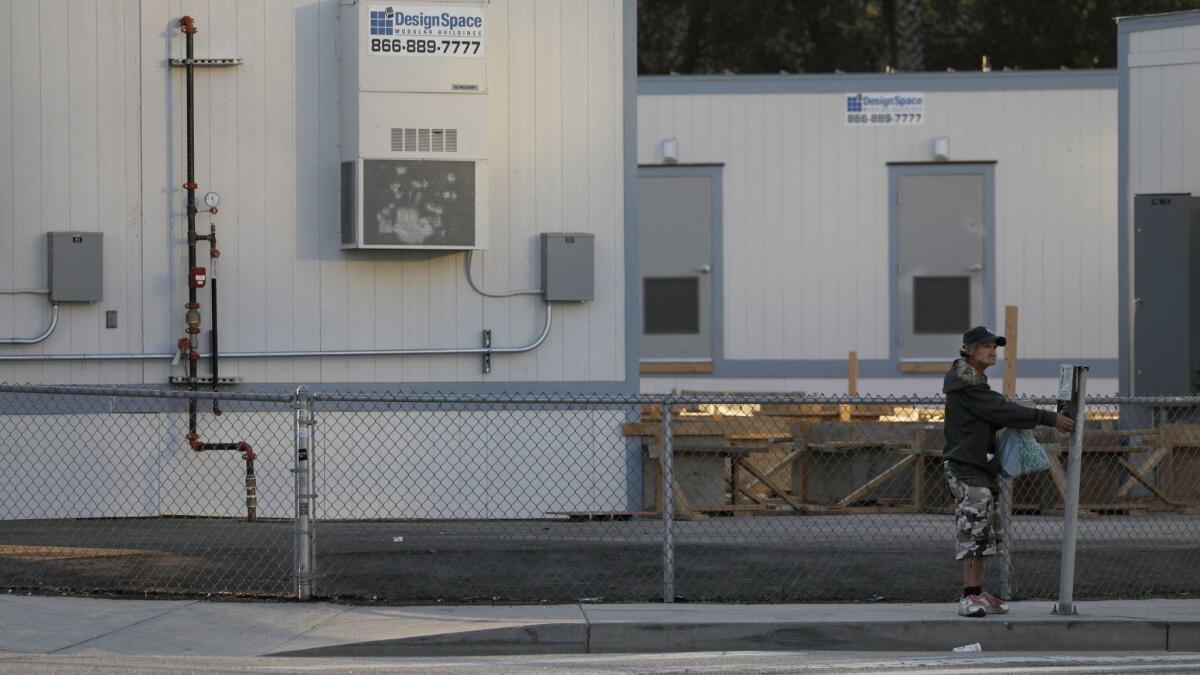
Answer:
(852, 558)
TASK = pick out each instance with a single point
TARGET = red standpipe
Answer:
(196, 279)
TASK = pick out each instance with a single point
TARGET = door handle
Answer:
(704, 269)
(977, 267)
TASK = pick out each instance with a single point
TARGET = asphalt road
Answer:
(855, 558)
(750, 663)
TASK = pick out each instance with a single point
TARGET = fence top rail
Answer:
(126, 392)
(700, 398)
(427, 398)
(630, 399)
(689, 398)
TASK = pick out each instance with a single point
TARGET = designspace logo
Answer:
(388, 22)
(885, 103)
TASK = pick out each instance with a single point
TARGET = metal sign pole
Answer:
(1072, 396)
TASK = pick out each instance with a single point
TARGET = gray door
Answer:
(675, 258)
(1165, 294)
(941, 255)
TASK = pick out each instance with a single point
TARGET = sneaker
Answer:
(994, 605)
(972, 605)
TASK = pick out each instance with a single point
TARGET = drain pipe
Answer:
(251, 486)
(40, 338)
(213, 254)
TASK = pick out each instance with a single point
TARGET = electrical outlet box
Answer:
(75, 266)
(568, 267)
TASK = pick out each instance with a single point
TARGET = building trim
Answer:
(655, 165)
(633, 303)
(666, 85)
(948, 162)
(1124, 251)
(878, 368)
(1131, 24)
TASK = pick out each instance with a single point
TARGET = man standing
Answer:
(974, 413)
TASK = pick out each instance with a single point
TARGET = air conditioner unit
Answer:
(414, 171)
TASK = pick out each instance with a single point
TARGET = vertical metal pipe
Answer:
(303, 525)
(668, 514)
(212, 280)
(1066, 579)
(189, 30)
(251, 491)
(1006, 591)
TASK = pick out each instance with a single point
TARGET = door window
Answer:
(941, 305)
(672, 306)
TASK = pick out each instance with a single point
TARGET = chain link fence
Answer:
(100, 490)
(460, 499)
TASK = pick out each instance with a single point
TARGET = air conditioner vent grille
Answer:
(412, 139)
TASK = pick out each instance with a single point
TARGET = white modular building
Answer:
(407, 195)
(1159, 210)
(305, 113)
(788, 220)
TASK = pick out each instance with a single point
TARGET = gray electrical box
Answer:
(75, 266)
(568, 267)
(1166, 291)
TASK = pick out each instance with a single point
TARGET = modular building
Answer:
(788, 220)
(418, 195)
(1159, 211)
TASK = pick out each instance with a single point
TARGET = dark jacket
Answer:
(974, 413)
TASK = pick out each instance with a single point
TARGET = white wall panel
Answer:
(138, 465)
(92, 137)
(806, 214)
(8, 234)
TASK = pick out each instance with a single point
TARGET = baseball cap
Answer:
(983, 334)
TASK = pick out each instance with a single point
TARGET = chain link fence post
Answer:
(1006, 502)
(303, 423)
(668, 511)
(1076, 387)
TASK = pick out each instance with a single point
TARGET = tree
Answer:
(769, 36)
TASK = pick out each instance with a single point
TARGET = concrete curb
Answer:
(994, 633)
(546, 638)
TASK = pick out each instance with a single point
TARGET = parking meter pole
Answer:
(668, 511)
(1072, 399)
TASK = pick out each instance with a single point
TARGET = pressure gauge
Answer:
(212, 199)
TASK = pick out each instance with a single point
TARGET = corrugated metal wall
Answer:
(1164, 93)
(92, 138)
(806, 212)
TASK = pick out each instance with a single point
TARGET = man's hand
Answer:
(1063, 423)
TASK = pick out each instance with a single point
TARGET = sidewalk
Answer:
(69, 625)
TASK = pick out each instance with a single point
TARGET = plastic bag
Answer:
(1020, 453)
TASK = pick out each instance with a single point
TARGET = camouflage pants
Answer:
(977, 519)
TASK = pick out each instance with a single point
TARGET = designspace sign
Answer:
(425, 30)
(866, 110)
